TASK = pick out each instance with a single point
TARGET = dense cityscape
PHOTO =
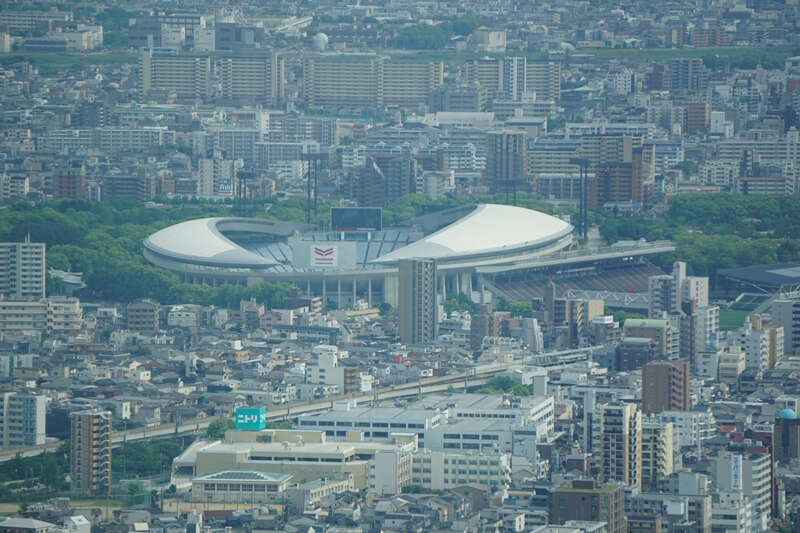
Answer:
(399, 265)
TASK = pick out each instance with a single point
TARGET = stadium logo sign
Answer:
(324, 256)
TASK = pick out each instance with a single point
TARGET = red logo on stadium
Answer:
(323, 252)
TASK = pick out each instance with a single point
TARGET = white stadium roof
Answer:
(488, 228)
(200, 240)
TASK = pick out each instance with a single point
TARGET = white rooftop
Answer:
(200, 239)
(489, 228)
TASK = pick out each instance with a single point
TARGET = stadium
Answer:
(357, 258)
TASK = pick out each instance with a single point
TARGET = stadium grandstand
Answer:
(479, 249)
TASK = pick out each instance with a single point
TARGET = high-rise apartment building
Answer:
(786, 313)
(416, 305)
(368, 81)
(665, 386)
(544, 78)
(658, 441)
(22, 418)
(216, 176)
(70, 182)
(189, 76)
(410, 83)
(22, 270)
(142, 316)
(91, 452)
(505, 160)
(617, 443)
(255, 75)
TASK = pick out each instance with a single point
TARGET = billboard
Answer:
(736, 472)
(225, 186)
(251, 418)
(323, 254)
(356, 219)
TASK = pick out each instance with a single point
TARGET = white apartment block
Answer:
(58, 313)
(22, 420)
(22, 270)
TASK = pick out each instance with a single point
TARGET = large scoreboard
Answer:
(356, 219)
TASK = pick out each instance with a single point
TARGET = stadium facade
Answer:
(359, 261)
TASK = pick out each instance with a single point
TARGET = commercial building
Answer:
(617, 443)
(786, 445)
(240, 487)
(750, 474)
(586, 500)
(445, 470)
(417, 306)
(22, 418)
(665, 386)
(383, 468)
(90, 461)
(22, 270)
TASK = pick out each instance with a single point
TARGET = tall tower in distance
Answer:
(91, 453)
(416, 304)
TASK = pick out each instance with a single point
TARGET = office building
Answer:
(442, 470)
(665, 386)
(22, 270)
(252, 75)
(417, 305)
(189, 76)
(786, 444)
(22, 418)
(750, 474)
(91, 453)
(505, 161)
(586, 500)
(658, 441)
(617, 443)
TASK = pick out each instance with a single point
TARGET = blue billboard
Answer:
(251, 418)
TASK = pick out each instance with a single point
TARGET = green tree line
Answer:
(718, 231)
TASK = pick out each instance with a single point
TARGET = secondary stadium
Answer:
(358, 259)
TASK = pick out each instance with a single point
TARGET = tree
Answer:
(788, 250)
(217, 428)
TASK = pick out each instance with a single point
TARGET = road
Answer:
(283, 412)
